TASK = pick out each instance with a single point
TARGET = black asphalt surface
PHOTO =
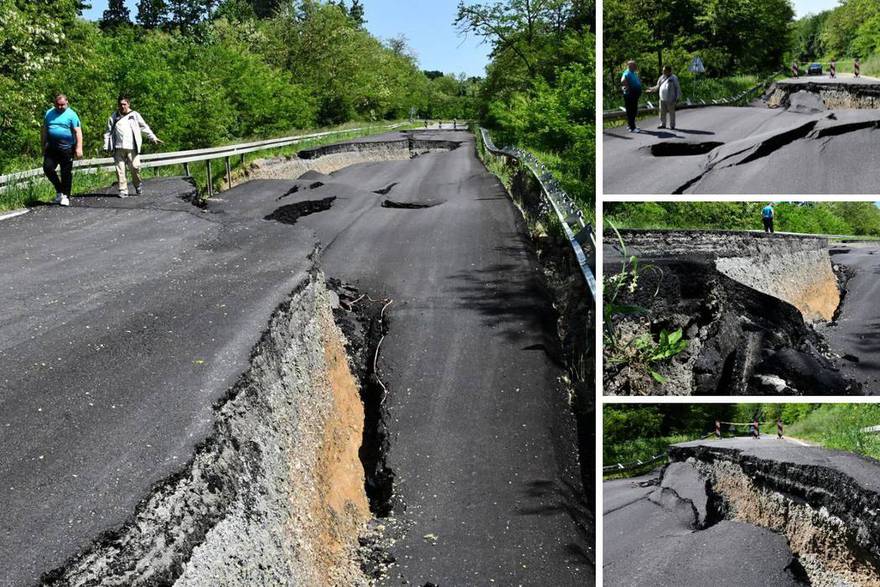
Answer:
(747, 150)
(482, 441)
(125, 319)
(647, 544)
(856, 334)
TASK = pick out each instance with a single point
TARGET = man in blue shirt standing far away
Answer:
(631, 86)
(61, 139)
(767, 215)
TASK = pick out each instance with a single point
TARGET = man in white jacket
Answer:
(670, 93)
(123, 138)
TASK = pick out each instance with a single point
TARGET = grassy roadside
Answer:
(39, 190)
(637, 449)
(839, 426)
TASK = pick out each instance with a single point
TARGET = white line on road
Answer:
(13, 214)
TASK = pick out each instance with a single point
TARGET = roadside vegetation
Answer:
(208, 73)
(833, 218)
(639, 432)
(539, 92)
(850, 30)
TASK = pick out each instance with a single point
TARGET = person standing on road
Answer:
(832, 69)
(767, 216)
(756, 429)
(631, 86)
(795, 70)
(670, 93)
(62, 140)
(123, 139)
(857, 67)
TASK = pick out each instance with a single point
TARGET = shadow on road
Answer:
(564, 497)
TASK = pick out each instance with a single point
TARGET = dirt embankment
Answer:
(745, 303)
(812, 96)
(276, 494)
(828, 517)
(330, 158)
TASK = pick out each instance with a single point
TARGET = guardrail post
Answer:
(186, 172)
(228, 173)
(210, 179)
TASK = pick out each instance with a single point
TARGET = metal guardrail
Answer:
(688, 103)
(620, 467)
(184, 158)
(870, 430)
(577, 230)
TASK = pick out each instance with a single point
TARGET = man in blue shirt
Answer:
(631, 86)
(767, 215)
(61, 139)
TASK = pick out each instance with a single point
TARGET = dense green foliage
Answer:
(848, 31)
(205, 73)
(842, 218)
(539, 92)
(732, 37)
(632, 432)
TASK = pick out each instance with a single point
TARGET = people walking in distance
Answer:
(756, 429)
(767, 216)
(631, 86)
(857, 67)
(669, 91)
(123, 139)
(795, 70)
(832, 69)
(454, 124)
(62, 140)
(779, 428)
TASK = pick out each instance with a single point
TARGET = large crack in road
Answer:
(803, 146)
(119, 344)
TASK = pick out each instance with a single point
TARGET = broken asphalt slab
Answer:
(745, 150)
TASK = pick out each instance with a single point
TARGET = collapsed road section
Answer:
(746, 303)
(180, 409)
(786, 514)
(803, 137)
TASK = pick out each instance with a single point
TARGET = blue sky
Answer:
(804, 7)
(426, 23)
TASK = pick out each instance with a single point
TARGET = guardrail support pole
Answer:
(210, 179)
(228, 173)
(186, 172)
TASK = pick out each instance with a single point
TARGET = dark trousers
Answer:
(59, 157)
(631, 101)
(768, 225)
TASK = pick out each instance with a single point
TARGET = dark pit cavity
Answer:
(384, 191)
(289, 192)
(409, 205)
(290, 213)
(681, 149)
(315, 185)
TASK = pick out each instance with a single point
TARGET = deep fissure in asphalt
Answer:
(290, 213)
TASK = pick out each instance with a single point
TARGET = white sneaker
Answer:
(123, 194)
(139, 191)
(58, 196)
(64, 201)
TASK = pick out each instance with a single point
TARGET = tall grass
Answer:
(637, 449)
(839, 426)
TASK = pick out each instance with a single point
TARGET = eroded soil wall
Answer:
(832, 96)
(276, 494)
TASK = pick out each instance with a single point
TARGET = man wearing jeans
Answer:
(767, 216)
(123, 138)
(61, 139)
(632, 91)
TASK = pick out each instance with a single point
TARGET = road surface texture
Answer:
(127, 319)
(786, 513)
(801, 147)
(649, 542)
(855, 334)
(482, 441)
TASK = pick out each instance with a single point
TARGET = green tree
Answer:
(151, 13)
(116, 14)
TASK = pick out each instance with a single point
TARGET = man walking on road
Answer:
(670, 93)
(123, 138)
(767, 216)
(631, 86)
(61, 139)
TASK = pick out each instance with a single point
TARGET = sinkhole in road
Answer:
(410, 205)
(683, 149)
(290, 213)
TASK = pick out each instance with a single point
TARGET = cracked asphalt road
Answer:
(856, 333)
(125, 319)
(762, 151)
(482, 440)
